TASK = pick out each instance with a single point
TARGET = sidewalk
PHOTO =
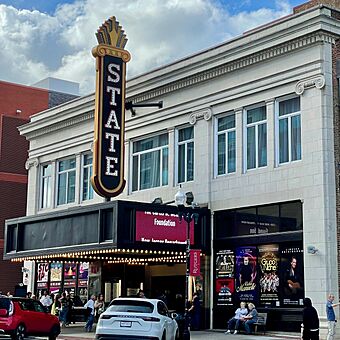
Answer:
(76, 332)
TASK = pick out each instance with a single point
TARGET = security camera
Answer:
(312, 250)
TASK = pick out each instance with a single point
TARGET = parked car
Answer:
(21, 317)
(137, 318)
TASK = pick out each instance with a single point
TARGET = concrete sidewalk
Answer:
(77, 332)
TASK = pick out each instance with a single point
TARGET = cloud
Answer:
(34, 45)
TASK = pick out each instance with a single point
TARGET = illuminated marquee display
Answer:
(108, 150)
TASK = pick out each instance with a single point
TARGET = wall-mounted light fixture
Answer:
(312, 250)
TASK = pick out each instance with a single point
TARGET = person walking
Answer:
(195, 313)
(310, 321)
(331, 316)
(233, 323)
(46, 301)
(90, 307)
(99, 306)
(64, 310)
(56, 305)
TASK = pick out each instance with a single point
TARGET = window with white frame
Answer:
(87, 189)
(185, 155)
(256, 137)
(289, 130)
(226, 144)
(66, 181)
(150, 162)
(46, 186)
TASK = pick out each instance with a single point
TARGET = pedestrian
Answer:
(69, 302)
(46, 301)
(310, 321)
(141, 294)
(331, 316)
(195, 313)
(234, 322)
(249, 319)
(64, 310)
(56, 305)
(90, 308)
(99, 306)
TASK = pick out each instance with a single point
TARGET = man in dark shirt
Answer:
(310, 321)
(246, 271)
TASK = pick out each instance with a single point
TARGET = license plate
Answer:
(125, 324)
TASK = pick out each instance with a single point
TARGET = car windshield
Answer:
(131, 306)
(5, 303)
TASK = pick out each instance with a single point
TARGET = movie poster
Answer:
(70, 271)
(269, 274)
(292, 276)
(56, 271)
(42, 275)
(225, 289)
(225, 263)
(246, 273)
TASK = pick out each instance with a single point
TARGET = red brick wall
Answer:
(13, 147)
(313, 3)
(15, 97)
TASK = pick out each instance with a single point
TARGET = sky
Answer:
(54, 38)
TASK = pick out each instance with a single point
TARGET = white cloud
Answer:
(34, 45)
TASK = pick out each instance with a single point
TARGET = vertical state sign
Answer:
(108, 150)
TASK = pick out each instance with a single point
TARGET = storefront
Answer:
(259, 258)
(114, 248)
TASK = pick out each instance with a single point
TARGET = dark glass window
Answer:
(11, 238)
(107, 225)
(291, 216)
(245, 222)
(268, 219)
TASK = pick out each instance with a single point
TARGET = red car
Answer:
(20, 317)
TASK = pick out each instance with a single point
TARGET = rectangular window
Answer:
(226, 144)
(256, 135)
(150, 163)
(289, 130)
(66, 181)
(46, 186)
(185, 155)
(87, 173)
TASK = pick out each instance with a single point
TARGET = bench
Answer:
(261, 322)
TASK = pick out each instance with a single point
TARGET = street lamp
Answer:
(180, 200)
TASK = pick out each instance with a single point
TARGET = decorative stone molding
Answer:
(195, 116)
(31, 162)
(302, 85)
(239, 110)
(234, 65)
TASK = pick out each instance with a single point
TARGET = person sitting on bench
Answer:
(250, 318)
(233, 323)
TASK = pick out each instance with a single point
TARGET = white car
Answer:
(136, 318)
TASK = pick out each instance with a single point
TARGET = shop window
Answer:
(185, 155)
(86, 175)
(256, 137)
(150, 163)
(66, 181)
(225, 224)
(291, 216)
(11, 244)
(46, 186)
(245, 222)
(289, 130)
(268, 219)
(226, 144)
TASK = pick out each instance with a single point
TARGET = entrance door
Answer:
(170, 285)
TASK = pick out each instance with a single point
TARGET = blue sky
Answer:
(55, 38)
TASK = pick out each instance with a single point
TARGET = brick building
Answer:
(17, 104)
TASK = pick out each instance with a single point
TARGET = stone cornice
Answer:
(302, 85)
(240, 63)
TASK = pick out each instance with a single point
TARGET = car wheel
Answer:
(19, 333)
(55, 331)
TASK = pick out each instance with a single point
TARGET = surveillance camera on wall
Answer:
(312, 250)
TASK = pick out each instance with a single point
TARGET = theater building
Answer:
(250, 127)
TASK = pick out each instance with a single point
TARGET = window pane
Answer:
(47, 170)
(87, 159)
(256, 115)
(268, 219)
(221, 154)
(71, 186)
(291, 216)
(165, 166)
(262, 144)
(46, 192)
(85, 184)
(149, 170)
(245, 222)
(283, 141)
(62, 188)
(227, 122)
(289, 106)
(185, 134)
(135, 173)
(150, 143)
(231, 151)
(296, 138)
(181, 163)
(251, 152)
(190, 157)
(67, 164)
